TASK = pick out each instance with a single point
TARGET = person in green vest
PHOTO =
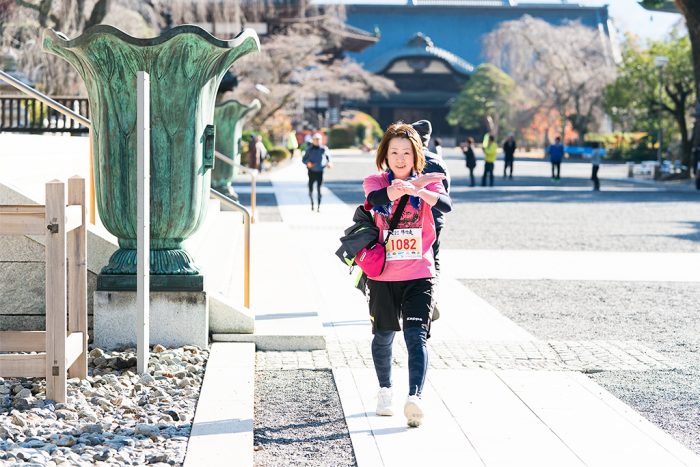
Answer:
(292, 143)
(490, 149)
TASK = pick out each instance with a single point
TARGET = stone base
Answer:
(158, 282)
(176, 319)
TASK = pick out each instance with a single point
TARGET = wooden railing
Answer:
(63, 223)
(29, 115)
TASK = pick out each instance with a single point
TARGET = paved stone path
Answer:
(584, 356)
(495, 394)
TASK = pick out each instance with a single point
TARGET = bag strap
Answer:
(394, 222)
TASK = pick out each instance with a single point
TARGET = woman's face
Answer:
(400, 157)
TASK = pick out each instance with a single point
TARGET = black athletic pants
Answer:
(488, 173)
(556, 170)
(317, 178)
(594, 177)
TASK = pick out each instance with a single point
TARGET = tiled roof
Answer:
(420, 46)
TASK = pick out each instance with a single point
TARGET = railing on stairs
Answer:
(253, 180)
(23, 114)
(246, 241)
(30, 91)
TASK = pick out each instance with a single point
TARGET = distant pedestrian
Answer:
(597, 155)
(257, 152)
(264, 155)
(468, 150)
(509, 147)
(401, 296)
(438, 147)
(490, 149)
(316, 158)
(292, 143)
(556, 155)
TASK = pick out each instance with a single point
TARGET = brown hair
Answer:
(401, 130)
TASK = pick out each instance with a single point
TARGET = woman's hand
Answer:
(426, 179)
(399, 188)
(403, 186)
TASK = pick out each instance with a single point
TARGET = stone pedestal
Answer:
(176, 319)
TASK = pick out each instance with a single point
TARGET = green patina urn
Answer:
(229, 118)
(186, 65)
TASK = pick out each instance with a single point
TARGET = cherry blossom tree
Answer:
(564, 68)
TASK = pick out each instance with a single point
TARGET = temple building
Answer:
(430, 48)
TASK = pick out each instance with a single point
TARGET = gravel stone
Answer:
(103, 420)
(299, 420)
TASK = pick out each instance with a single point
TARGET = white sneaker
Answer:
(413, 411)
(384, 402)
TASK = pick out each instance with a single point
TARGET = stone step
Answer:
(298, 331)
(222, 429)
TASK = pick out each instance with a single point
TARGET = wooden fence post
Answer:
(77, 276)
(56, 291)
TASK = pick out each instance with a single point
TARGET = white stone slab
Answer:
(586, 422)
(571, 265)
(465, 315)
(659, 436)
(342, 308)
(502, 429)
(222, 430)
(439, 441)
(357, 419)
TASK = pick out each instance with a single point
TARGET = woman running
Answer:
(401, 297)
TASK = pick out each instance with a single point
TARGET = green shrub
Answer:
(633, 147)
(341, 136)
(278, 154)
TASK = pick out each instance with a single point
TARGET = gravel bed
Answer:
(662, 316)
(299, 420)
(113, 417)
(564, 221)
(552, 219)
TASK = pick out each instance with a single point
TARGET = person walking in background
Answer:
(316, 158)
(555, 152)
(490, 149)
(401, 296)
(255, 152)
(597, 155)
(509, 147)
(262, 151)
(292, 143)
(434, 163)
(470, 158)
(438, 146)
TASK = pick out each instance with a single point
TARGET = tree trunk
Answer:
(691, 11)
(686, 142)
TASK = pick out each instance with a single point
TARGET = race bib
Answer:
(404, 244)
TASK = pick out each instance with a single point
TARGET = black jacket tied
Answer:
(363, 233)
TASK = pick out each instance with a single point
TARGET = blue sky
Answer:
(629, 16)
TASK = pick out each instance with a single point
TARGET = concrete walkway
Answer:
(474, 416)
(495, 394)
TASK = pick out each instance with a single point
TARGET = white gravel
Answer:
(114, 417)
